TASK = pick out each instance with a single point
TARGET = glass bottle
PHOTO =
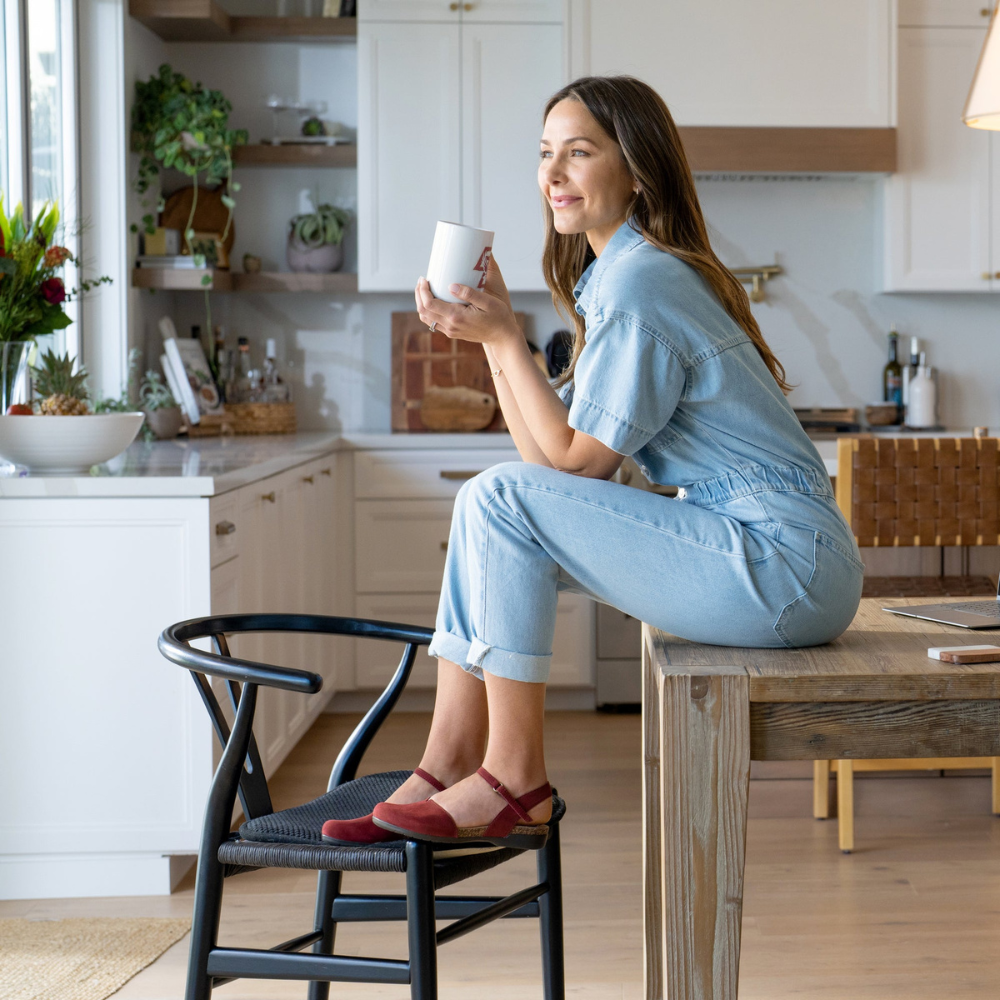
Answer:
(275, 388)
(892, 377)
(244, 390)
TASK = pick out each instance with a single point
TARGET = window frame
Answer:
(16, 176)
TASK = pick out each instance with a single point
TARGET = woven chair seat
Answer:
(292, 838)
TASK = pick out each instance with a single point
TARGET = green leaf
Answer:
(235, 186)
(228, 202)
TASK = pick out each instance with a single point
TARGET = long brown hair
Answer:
(665, 209)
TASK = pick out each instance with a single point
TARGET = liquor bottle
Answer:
(275, 388)
(892, 376)
(218, 346)
(244, 388)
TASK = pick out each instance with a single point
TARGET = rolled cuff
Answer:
(474, 657)
(611, 430)
(504, 663)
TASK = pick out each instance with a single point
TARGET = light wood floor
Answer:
(913, 914)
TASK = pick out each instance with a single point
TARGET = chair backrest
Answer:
(920, 491)
(244, 774)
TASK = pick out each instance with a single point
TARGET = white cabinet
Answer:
(288, 550)
(467, 11)
(501, 126)
(945, 13)
(449, 121)
(733, 63)
(402, 516)
(409, 167)
(938, 207)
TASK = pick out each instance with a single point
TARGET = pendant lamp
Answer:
(982, 108)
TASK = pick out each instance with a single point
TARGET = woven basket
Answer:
(262, 418)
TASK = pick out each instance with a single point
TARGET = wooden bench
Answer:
(709, 710)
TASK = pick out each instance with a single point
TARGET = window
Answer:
(38, 119)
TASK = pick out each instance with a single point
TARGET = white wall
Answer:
(825, 318)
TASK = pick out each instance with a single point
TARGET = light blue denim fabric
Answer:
(754, 551)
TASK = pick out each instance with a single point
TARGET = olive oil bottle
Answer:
(892, 376)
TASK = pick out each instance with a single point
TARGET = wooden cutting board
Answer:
(420, 360)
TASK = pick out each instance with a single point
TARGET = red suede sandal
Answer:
(512, 827)
(352, 832)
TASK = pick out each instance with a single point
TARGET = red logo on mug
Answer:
(483, 265)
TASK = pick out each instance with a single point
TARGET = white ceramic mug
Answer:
(460, 255)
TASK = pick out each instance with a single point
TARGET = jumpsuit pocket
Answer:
(830, 599)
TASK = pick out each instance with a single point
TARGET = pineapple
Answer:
(63, 393)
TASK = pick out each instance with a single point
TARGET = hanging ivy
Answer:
(180, 125)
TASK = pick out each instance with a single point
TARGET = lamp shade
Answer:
(982, 109)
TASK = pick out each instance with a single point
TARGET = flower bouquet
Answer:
(32, 295)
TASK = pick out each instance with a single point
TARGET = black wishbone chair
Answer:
(292, 837)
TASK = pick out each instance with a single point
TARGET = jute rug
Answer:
(80, 959)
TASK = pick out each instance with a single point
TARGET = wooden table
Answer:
(709, 710)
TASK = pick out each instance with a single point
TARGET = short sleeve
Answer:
(627, 383)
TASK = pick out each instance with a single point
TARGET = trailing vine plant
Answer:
(180, 125)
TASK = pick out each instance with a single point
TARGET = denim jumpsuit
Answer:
(752, 552)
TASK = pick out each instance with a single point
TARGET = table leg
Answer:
(696, 783)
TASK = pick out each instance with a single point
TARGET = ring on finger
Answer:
(433, 326)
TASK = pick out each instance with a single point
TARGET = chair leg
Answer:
(327, 890)
(821, 789)
(845, 804)
(550, 918)
(996, 785)
(204, 925)
(421, 930)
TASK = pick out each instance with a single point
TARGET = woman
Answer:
(668, 366)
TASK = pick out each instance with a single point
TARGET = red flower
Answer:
(56, 256)
(53, 291)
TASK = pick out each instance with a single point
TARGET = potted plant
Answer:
(180, 124)
(32, 295)
(316, 240)
(162, 412)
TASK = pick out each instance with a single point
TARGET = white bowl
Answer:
(66, 444)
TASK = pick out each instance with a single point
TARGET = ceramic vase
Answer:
(318, 260)
(165, 422)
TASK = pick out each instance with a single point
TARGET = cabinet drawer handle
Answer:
(985, 12)
(468, 6)
(307, 479)
(444, 546)
(459, 474)
(325, 472)
(453, 6)
(225, 528)
(269, 497)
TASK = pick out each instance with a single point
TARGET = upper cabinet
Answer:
(733, 63)
(945, 13)
(941, 207)
(449, 120)
(496, 11)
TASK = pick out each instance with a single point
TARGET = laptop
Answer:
(965, 614)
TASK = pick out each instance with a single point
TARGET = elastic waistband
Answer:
(756, 479)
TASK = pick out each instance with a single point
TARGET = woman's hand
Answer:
(483, 317)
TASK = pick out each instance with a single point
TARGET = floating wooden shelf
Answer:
(180, 279)
(206, 21)
(790, 150)
(169, 279)
(304, 155)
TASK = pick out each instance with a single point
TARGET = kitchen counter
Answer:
(204, 467)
